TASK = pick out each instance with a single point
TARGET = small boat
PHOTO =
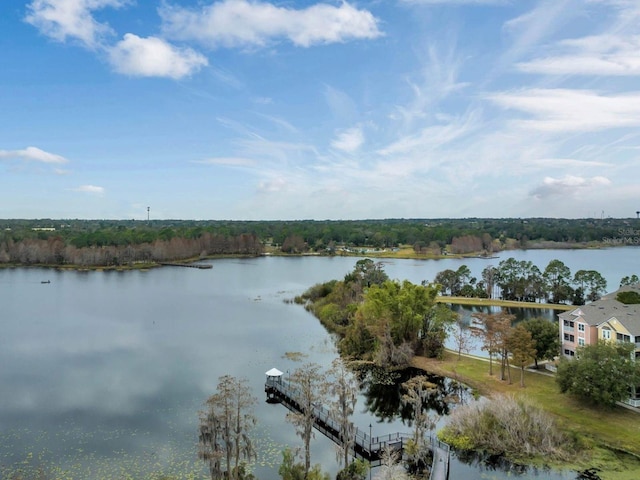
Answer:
(45, 281)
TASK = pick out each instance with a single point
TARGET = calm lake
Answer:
(102, 373)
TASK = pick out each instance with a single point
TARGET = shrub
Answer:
(508, 426)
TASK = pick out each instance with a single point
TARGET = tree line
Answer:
(426, 236)
(523, 281)
(54, 251)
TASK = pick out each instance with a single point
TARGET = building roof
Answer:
(601, 311)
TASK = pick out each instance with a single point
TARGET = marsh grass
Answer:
(509, 426)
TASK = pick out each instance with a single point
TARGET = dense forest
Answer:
(123, 242)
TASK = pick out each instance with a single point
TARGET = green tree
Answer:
(629, 280)
(557, 276)
(601, 374)
(545, 337)
(291, 470)
(368, 273)
(403, 314)
(522, 347)
(225, 427)
(591, 282)
(628, 298)
(356, 470)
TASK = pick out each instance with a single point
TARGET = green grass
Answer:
(501, 303)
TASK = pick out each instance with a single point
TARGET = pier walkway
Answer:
(366, 446)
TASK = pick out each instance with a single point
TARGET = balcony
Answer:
(634, 402)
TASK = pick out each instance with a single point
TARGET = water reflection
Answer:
(383, 394)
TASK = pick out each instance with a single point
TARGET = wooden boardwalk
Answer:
(201, 266)
(366, 446)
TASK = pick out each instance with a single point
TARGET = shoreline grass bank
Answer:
(612, 436)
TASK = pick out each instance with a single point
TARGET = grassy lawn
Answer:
(501, 303)
(611, 437)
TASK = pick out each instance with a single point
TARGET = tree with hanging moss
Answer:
(344, 389)
(225, 442)
(311, 387)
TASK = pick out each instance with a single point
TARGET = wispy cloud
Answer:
(240, 23)
(594, 55)
(545, 163)
(154, 57)
(90, 189)
(564, 110)
(33, 154)
(568, 186)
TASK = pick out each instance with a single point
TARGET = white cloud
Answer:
(91, 189)
(349, 140)
(153, 57)
(33, 154)
(62, 19)
(568, 185)
(563, 110)
(240, 23)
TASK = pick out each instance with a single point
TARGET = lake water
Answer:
(102, 373)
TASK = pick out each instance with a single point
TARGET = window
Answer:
(581, 327)
(568, 352)
(568, 323)
(606, 334)
(622, 337)
(569, 338)
(581, 342)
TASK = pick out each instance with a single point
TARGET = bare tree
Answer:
(390, 469)
(225, 426)
(462, 337)
(494, 332)
(309, 383)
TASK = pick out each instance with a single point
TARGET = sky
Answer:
(319, 109)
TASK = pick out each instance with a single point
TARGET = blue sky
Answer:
(305, 109)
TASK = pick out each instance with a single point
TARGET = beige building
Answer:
(605, 319)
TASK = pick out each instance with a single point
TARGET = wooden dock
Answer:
(366, 446)
(202, 266)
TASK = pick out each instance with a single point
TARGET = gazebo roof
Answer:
(274, 372)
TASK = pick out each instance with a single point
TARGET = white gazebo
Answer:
(273, 384)
(273, 374)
